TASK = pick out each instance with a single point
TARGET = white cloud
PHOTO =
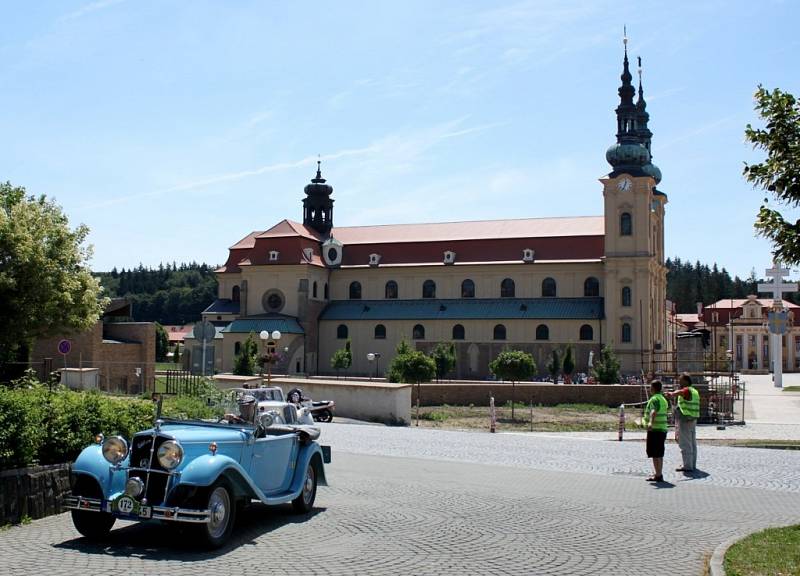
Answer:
(91, 7)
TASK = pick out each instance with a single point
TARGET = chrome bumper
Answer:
(174, 514)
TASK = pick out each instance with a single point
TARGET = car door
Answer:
(272, 466)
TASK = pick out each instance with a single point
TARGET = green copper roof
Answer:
(466, 308)
(222, 306)
(268, 322)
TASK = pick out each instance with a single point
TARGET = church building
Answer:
(532, 284)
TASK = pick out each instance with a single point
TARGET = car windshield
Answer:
(243, 406)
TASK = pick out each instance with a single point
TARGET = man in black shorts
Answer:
(655, 418)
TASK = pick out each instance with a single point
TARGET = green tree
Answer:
(46, 286)
(779, 174)
(606, 368)
(393, 373)
(342, 359)
(444, 356)
(513, 365)
(162, 343)
(176, 353)
(568, 365)
(245, 363)
(554, 364)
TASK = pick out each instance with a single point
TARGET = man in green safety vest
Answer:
(686, 414)
(655, 419)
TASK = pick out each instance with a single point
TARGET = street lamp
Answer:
(270, 341)
(374, 357)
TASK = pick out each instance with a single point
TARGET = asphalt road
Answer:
(413, 501)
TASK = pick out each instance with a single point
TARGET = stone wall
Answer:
(463, 394)
(32, 492)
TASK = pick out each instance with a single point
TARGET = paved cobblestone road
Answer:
(410, 501)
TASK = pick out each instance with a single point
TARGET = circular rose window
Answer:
(273, 300)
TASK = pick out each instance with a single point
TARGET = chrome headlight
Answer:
(170, 454)
(134, 486)
(115, 449)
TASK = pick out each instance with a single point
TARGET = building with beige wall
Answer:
(531, 283)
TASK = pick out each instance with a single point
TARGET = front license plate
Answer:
(125, 506)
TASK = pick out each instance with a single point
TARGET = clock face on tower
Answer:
(624, 185)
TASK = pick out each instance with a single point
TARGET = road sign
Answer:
(64, 346)
(777, 322)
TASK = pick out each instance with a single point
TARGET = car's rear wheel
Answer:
(305, 501)
(222, 510)
(92, 525)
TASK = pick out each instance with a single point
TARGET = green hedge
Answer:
(39, 426)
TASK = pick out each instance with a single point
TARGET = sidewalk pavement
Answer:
(769, 413)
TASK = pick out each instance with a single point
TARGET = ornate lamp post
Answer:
(270, 341)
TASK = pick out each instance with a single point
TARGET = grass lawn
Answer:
(773, 551)
(168, 366)
(791, 388)
(561, 418)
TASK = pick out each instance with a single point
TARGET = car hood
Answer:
(202, 432)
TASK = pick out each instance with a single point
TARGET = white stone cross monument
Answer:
(777, 287)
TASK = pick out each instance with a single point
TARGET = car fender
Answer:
(205, 470)
(90, 462)
(304, 457)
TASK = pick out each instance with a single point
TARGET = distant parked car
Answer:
(195, 472)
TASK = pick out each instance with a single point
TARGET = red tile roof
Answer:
(728, 303)
(474, 241)
(472, 230)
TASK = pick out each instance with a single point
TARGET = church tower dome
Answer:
(318, 204)
(629, 154)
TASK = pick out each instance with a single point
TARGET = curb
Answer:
(716, 565)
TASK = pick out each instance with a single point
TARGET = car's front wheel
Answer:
(222, 513)
(92, 525)
(305, 500)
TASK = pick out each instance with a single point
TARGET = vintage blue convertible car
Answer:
(199, 472)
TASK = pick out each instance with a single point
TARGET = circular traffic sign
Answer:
(64, 346)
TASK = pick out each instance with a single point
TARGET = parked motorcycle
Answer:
(321, 410)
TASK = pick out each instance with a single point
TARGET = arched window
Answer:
(625, 224)
(355, 290)
(542, 332)
(626, 332)
(380, 332)
(507, 288)
(548, 288)
(591, 287)
(237, 348)
(235, 294)
(468, 289)
(390, 291)
(327, 291)
(499, 332)
(341, 332)
(419, 332)
(626, 295)
(314, 290)
(587, 333)
(458, 332)
(429, 289)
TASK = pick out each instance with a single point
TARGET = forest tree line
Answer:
(168, 294)
(177, 294)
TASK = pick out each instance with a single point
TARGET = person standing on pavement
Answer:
(655, 419)
(687, 412)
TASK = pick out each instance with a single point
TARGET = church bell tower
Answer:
(635, 275)
(318, 204)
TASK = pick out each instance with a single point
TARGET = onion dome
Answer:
(318, 204)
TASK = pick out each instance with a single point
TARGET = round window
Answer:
(333, 254)
(273, 301)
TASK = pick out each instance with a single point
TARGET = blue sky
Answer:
(172, 129)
